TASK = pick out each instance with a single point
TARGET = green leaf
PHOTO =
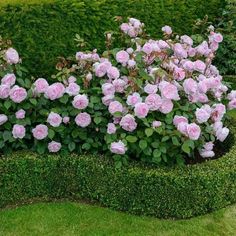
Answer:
(64, 99)
(6, 135)
(165, 138)
(7, 104)
(86, 146)
(175, 141)
(33, 101)
(156, 153)
(75, 133)
(149, 132)
(97, 120)
(71, 146)
(131, 139)
(142, 144)
(185, 147)
(51, 133)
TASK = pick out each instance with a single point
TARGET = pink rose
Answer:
(20, 114)
(125, 27)
(179, 74)
(111, 128)
(54, 119)
(186, 39)
(18, 94)
(12, 56)
(203, 114)
(207, 154)
(166, 29)
(179, 51)
(193, 131)
(80, 102)
(153, 101)
(131, 63)
(72, 79)
(119, 85)
(217, 37)
(40, 132)
(118, 148)
(232, 104)
(101, 68)
(113, 73)
(147, 48)
(83, 119)
(133, 99)
(4, 91)
(115, 107)
(41, 85)
(179, 119)
(55, 91)
(150, 88)
(72, 89)
(188, 66)
(66, 119)
(108, 89)
(54, 146)
(128, 123)
(222, 134)
(182, 128)
(218, 112)
(169, 91)
(122, 57)
(141, 110)
(166, 106)
(89, 77)
(18, 131)
(199, 66)
(8, 79)
(3, 119)
(190, 86)
(208, 146)
(106, 100)
(156, 124)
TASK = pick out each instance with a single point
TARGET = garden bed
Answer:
(163, 192)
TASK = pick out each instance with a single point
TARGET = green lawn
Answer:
(81, 219)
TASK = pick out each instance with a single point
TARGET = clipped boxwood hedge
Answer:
(43, 31)
(179, 192)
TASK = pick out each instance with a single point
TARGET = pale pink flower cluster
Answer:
(133, 28)
(54, 119)
(54, 146)
(118, 148)
(18, 131)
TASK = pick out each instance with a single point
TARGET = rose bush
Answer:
(158, 101)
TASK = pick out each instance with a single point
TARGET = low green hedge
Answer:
(180, 192)
(43, 31)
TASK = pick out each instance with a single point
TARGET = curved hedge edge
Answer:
(180, 192)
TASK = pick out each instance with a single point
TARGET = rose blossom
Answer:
(166, 29)
(179, 74)
(190, 86)
(193, 131)
(156, 124)
(179, 119)
(222, 133)
(106, 100)
(133, 99)
(101, 68)
(153, 101)
(83, 119)
(108, 89)
(119, 85)
(122, 57)
(12, 56)
(182, 128)
(71, 79)
(188, 65)
(166, 106)
(169, 91)
(218, 112)
(111, 128)
(150, 88)
(199, 66)
(128, 123)
(80, 101)
(66, 119)
(207, 154)
(203, 114)
(232, 104)
(20, 114)
(41, 85)
(113, 73)
(72, 89)
(54, 119)
(118, 147)
(3, 119)
(4, 91)
(115, 106)
(141, 110)
(18, 94)
(40, 132)
(54, 146)
(55, 91)
(18, 131)
(131, 63)
(8, 79)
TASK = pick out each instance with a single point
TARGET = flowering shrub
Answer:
(153, 100)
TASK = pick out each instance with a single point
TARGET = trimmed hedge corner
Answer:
(44, 31)
(162, 192)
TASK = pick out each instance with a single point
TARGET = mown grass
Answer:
(81, 219)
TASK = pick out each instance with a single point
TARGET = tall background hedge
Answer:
(43, 31)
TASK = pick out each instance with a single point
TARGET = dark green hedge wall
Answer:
(42, 32)
(180, 192)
